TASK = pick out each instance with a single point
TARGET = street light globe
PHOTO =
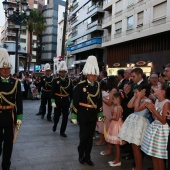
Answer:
(5, 5)
(24, 6)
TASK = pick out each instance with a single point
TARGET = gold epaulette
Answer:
(83, 81)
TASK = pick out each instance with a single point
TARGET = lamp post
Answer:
(18, 17)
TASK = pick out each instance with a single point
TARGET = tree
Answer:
(36, 23)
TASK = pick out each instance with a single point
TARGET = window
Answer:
(118, 27)
(130, 22)
(119, 5)
(140, 18)
(130, 2)
(160, 10)
(22, 40)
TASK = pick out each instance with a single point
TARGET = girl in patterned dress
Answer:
(156, 136)
(135, 125)
(114, 128)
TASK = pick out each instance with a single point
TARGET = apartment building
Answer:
(85, 36)
(53, 13)
(8, 33)
(136, 33)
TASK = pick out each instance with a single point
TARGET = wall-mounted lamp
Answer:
(116, 64)
(130, 65)
(149, 64)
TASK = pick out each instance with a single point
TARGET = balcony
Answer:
(95, 23)
(75, 5)
(94, 42)
(107, 21)
(73, 34)
(97, 5)
(11, 34)
(11, 26)
(107, 4)
(74, 20)
(106, 38)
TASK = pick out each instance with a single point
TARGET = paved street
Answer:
(38, 148)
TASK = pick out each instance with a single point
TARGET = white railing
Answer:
(105, 2)
(95, 23)
(106, 38)
(107, 19)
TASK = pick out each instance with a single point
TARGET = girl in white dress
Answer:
(136, 123)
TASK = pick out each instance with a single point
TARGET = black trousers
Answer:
(6, 139)
(86, 139)
(46, 99)
(64, 110)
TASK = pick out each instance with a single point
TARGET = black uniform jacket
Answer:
(10, 95)
(63, 87)
(46, 83)
(81, 93)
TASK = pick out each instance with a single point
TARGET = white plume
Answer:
(91, 66)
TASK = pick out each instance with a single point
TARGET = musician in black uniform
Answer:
(11, 108)
(46, 85)
(61, 97)
(87, 103)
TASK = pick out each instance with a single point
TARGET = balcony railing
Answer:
(95, 23)
(75, 5)
(74, 20)
(106, 38)
(11, 26)
(105, 2)
(11, 34)
(97, 5)
(73, 34)
(107, 19)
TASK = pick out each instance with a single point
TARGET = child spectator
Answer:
(114, 127)
(136, 124)
(156, 136)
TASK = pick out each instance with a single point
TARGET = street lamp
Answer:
(18, 17)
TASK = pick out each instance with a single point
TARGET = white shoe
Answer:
(110, 162)
(118, 164)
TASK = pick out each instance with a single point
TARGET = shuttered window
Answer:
(119, 6)
(140, 18)
(160, 10)
(118, 27)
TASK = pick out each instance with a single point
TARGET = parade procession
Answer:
(127, 115)
(84, 84)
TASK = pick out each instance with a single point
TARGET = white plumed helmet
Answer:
(47, 67)
(62, 67)
(4, 59)
(91, 66)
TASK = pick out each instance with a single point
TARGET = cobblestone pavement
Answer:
(38, 148)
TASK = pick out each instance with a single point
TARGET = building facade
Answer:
(52, 12)
(136, 33)
(85, 36)
(8, 32)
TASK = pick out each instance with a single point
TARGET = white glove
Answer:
(18, 123)
(74, 121)
(53, 105)
(38, 96)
